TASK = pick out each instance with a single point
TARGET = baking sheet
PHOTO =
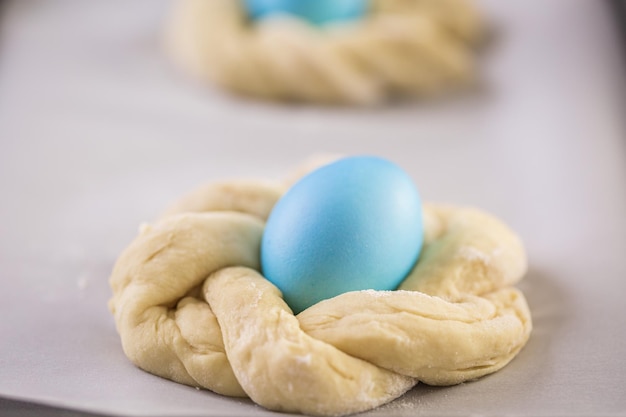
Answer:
(98, 132)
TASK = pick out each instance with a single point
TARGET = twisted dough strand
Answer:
(191, 306)
(415, 47)
(165, 329)
(279, 365)
(453, 319)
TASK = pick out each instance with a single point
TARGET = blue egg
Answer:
(318, 12)
(351, 225)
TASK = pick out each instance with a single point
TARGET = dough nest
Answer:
(402, 47)
(190, 305)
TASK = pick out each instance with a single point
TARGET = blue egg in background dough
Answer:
(318, 12)
(354, 224)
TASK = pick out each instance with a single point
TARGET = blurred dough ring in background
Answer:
(191, 306)
(402, 47)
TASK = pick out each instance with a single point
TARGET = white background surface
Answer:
(98, 132)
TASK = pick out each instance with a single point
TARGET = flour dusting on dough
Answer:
(305, 359)
(471, 253)
(377, 293)
(144, 228)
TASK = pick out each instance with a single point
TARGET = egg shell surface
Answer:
(318, 12)
(354, 224)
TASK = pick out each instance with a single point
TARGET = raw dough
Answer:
(410, 47)
(191, 306)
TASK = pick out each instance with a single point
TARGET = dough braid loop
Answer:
(402, 47)
(191, 305)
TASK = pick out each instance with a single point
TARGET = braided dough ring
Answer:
(190, 305)
(407, 47)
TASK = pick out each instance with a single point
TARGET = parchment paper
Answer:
(99, 132)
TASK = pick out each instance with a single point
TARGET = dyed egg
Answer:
(315, 11)
(351, 225)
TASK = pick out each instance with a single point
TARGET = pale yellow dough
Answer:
(406, 47)
(190, 305)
